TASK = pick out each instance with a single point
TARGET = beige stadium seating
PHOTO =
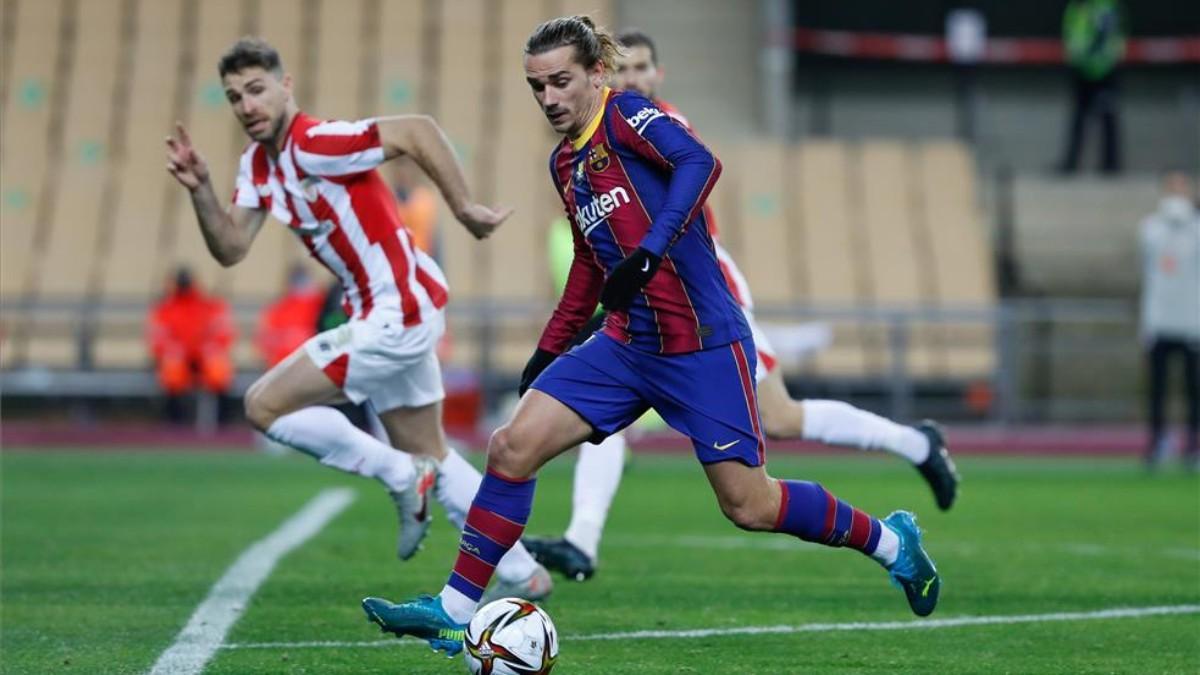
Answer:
(459, 106)
(961, 253)
(767, 239)
(831, 258)
(826, 223)
(896, 250)
(144, 188)
(400, 56)
(214, 132)
(73, 228)
(27, 115)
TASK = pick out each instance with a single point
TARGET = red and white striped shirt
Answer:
(324, 186)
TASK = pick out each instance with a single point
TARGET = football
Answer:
(511, 636)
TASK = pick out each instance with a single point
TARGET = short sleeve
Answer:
(337, 148)
(245, 192)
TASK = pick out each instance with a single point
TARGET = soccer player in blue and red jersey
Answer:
(633, 182)
(599, 466)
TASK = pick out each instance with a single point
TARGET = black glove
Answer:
(537, 363)
(628, 278)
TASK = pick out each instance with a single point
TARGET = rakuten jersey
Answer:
(324, 186)
(636, 177)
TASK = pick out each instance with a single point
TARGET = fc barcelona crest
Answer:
(598, 158)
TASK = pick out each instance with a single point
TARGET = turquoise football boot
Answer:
(913, 570)
(422, 618)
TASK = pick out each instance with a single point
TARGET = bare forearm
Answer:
(422, 139)
(224, 240)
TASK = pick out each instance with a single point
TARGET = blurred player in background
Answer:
(285, 324)
(319, 177)
(1170, 324)
(190, 334)
(633, 182)
(598, 471)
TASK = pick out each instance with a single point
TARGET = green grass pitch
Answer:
(105, 556)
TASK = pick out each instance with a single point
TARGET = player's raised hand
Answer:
(481, 220)
(183, 161)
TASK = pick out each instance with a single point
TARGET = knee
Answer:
(752, 514)
(259, 411)
(510, 452)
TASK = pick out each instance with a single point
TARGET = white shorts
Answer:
(741, 293)
(766, 353)
(377, 359)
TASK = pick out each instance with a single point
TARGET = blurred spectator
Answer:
(190, 335)
(285, 324)
(1170, 241)
(418, 206)
(1094, 42)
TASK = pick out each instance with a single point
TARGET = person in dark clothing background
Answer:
(1094, 42)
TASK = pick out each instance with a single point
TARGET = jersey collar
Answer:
(578, 143)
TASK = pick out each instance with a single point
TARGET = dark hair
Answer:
(250, 52)
(635, 37)
(591, 44)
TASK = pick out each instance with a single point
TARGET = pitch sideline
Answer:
(918, 624)
(205, 631)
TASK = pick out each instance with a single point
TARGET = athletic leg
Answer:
(835, 423)
(597, 476)
(286, 405)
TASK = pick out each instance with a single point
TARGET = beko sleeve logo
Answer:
(643, 118)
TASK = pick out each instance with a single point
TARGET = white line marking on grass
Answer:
(206, 630)
(734, 541)
(917, 624)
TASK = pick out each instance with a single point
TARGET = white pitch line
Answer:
(917, 624)
(205, 631)
(734, 541)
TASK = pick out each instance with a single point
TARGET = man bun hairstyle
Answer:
(250, 52)
(592, 44)
(636, 37)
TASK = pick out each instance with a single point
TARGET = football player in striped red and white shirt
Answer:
(319, 178)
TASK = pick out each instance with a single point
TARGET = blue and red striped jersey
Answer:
(636, 177)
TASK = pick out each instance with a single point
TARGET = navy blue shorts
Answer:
(708, 396)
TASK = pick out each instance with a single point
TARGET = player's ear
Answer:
(598, 75)
(287, 82)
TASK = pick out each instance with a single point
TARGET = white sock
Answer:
(837, 423)
(458, 607)
(597, 475)
(888, 548)
(328, 435)
(458, 481)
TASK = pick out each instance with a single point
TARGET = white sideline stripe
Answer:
(918, 624)
(206, 630)
(705, 541)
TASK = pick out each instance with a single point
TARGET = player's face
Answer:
(636, 70)
(567, 93)
(259, 99)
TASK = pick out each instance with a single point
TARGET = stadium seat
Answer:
(142, 184)
(214, 132)
(961, 253)
(770, 244)
(460, 107)
(831, 258)
(28, 112)
(401, 55)
(898, 270)
(340, 50)
(73, 229)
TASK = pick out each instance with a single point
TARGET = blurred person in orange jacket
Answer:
(190, 334)
(285, 324)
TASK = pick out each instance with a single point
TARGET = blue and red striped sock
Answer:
(808, 511)
(494, 525)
